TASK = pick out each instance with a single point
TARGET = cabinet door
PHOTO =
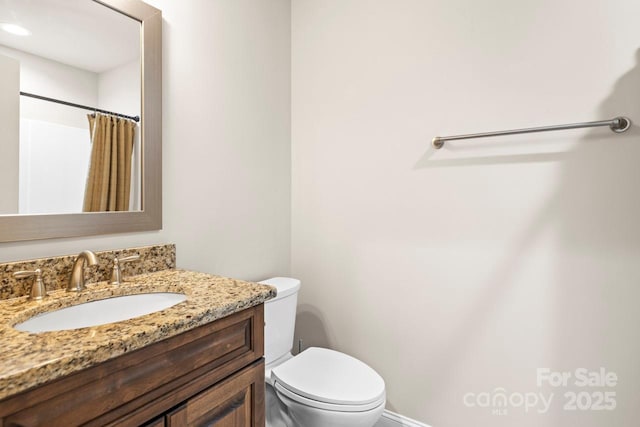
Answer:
(237, 401)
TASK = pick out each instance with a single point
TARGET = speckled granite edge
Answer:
(57, 270)
(28, 360)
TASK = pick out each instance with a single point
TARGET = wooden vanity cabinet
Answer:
(210, 376)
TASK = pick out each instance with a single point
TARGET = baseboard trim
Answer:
(391, 419)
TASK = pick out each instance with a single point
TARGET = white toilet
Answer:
(318, 387)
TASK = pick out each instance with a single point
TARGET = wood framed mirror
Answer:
(145, 213)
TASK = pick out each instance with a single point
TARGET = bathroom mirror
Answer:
(134, 64)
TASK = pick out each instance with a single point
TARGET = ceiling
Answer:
(80, 33)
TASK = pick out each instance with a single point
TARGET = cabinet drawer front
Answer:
(156, 377)
(235, 402)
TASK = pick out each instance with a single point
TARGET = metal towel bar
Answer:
(617, 125)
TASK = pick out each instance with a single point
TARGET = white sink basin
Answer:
(100, 312)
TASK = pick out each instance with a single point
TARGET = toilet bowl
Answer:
(318, 387)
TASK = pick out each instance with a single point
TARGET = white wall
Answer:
(464, 270)
(54, 161)
(53, 79)
(9, 132)
(119, 89)
(52, 174)
(226, 142)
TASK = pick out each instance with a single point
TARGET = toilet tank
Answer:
(280, 318)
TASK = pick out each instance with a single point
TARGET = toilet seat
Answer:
(330, 380)
(327, 406)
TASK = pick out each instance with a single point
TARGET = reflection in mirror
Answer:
(58, 59)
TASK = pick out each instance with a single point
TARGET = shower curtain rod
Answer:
(84, 107)
(617, 125)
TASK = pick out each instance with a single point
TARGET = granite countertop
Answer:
(28, 359)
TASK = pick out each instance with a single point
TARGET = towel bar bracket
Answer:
(622, 124)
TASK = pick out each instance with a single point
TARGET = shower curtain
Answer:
(109, 179)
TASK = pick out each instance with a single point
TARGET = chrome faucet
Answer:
(76, 281)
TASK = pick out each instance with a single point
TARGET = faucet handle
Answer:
(116, 273)
(38, 290)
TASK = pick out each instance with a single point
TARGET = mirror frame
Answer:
(47, 226)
